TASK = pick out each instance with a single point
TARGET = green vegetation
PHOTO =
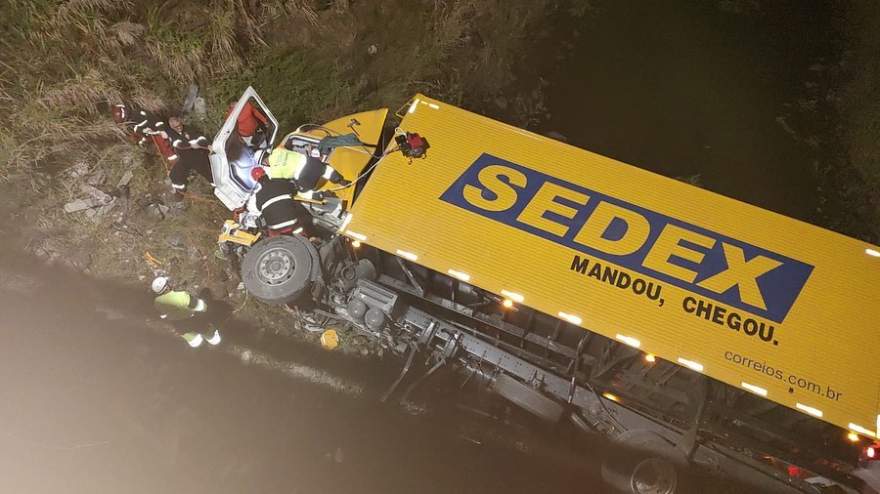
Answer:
(312, 60)
(63, 62)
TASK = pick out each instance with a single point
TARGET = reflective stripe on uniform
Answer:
(194, 340)
(284, 224)
(179, 186)
(172, 157)
(201, 306)
(328, 172)
(276, 199)
(176, 142)
(214, 339)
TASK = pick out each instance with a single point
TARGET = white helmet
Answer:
(159, 284)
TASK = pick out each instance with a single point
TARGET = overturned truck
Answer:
(697, 332)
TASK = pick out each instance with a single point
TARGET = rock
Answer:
(154, 212)
(157, 210)
(126, 178)
(79, 205)
(98, 195)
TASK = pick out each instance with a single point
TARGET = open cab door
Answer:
(232, 157)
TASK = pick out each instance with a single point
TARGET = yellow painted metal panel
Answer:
(760, 301)
(350, 161)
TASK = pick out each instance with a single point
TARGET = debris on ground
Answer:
(79, 205)
(329, 339)
(125, 180)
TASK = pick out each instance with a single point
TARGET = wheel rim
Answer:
(654, 476)
(275, 266)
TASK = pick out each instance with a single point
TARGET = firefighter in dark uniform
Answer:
(274, 201)
(138, 124)
(190, 154)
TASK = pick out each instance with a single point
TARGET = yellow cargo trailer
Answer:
(760, 301)
(583, 290)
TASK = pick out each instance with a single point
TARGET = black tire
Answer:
(642, 462)
(281, 269)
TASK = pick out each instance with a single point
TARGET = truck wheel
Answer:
(642, 462)
(280, 269)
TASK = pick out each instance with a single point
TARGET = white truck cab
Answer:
(232, 159)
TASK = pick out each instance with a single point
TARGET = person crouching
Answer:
(274, 201)
(187, 313)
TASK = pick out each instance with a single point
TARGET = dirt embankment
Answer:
(75, 193)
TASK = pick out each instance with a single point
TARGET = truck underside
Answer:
(664, 416)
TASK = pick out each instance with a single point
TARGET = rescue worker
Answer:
(273, 200)
(306, 171)
(250, 121)
(184, 310)
(138, 124)
(191, 150)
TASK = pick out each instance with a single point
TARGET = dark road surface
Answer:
(95, 404)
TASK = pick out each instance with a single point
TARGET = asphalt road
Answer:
(96, 400)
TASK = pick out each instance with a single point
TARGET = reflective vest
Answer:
(286, 164)
(306, 171)
(174, 305)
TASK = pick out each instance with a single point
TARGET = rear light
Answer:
(870, 452)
